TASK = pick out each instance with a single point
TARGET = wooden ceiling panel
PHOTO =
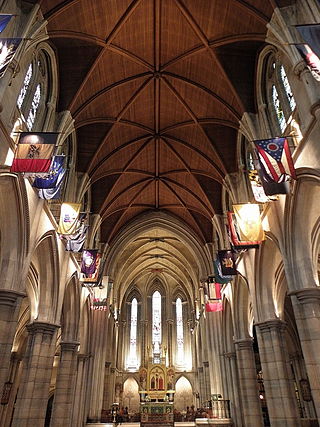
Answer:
(157, 89)
(111, 69)
(172, 109)
(198, 68)
(175, 27)
(110, 103)
(122, 138)
(219, 18)
(224, 139)
(73, 66)
(137, 36)
(204, 103)
(100, 190)
(89, 138)
(97, 19)
(119, 159)
(138, 113)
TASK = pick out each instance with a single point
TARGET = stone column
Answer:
(206, 378)
(79, 404)
(232, 389)
(306, 305)
(64, 391)
(278, 381)
(169, 340)
(33, 393)
(9, 311)
(249, 389)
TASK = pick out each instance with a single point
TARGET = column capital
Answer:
(83, 357)
(69, 345)
(42, 327)
(307, 295)
(271, 324)
(206, 364)
(9, 297)
(230, 355)
(243, 343)
(169, 321)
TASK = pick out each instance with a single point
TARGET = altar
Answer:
(157, 392)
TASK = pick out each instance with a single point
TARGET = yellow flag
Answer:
(68, 218)
(249, 222)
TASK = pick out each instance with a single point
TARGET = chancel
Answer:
(159, 213)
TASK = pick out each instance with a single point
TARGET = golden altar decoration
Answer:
(156, 391)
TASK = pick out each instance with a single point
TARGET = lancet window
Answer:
(180, 336)
(133, 334)
(156, 322)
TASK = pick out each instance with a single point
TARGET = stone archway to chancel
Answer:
(131, 398)
(184, 394)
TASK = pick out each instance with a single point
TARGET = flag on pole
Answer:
(245, 226)
(214, 290)
(90, 265)
(275, 155)
(8, 48)
(34, 152)
(213, 307)
(270, 186)
(228, 262)
(75, 242)
(219, 277)
(4, 21)
(69, 218)
(51, 179)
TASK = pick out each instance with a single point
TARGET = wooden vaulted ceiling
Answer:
(157, 88)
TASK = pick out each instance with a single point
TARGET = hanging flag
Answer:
(311, 35)
(4, 21)
(50, 180)
(76, 241)
(270, 186)
(214, 290)
(100, 304)
(245, 226)
(34, 152)
(275, 154)
(90, 265)
(219, 277)
(228, 262)
(256, 186)
(8, 48)
(68, 218)
(311, 59)
(214, 307)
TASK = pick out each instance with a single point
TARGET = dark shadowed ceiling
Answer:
(157, 88)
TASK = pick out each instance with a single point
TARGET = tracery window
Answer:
(133, 361)
(180, 336)
(156, 322)
(279, 95)
(33, 95)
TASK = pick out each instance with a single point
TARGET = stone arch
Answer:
(70, 315)
(45, 258)
(131, 397)
(303, 235)
(85, 324)
(14, 229)
(184, 393)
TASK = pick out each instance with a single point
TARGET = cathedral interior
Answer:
(183, 285)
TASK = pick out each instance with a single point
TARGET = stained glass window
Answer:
(133, 333)
(156, 322)
(25, 86)
(34, 107)
(287, 88)
(180, 338)
(278, 108)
